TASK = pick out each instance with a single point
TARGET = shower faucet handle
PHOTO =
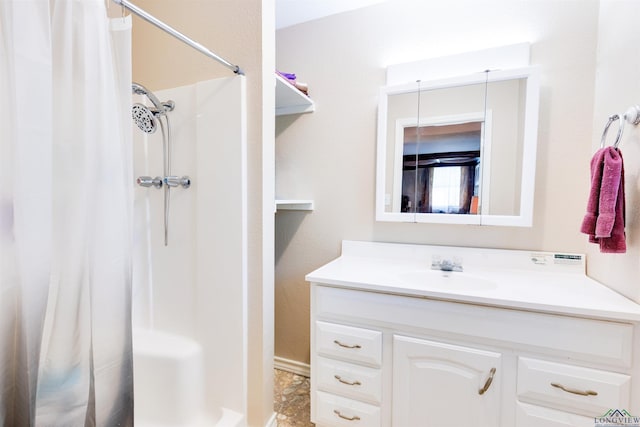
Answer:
(147, 181)
(174, 181)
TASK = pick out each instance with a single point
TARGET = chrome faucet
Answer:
(444, 264)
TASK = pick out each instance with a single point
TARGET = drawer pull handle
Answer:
(574, 391)
(344, 417)
(347, 345)
(487, 384)
(339, 378)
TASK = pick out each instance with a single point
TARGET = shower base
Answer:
(168, 383)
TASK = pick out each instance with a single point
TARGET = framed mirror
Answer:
(460, 150)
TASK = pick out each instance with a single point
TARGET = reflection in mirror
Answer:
(506, 100)
(402, 113)
(434, 143)
(441, 167)
(460, 150)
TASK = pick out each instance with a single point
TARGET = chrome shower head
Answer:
(144, 118)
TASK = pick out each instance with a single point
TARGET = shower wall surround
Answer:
(195, 288)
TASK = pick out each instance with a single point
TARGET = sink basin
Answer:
(445, 280)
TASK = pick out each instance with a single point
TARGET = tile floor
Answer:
(291, 400)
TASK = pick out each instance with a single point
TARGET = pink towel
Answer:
(604, 220)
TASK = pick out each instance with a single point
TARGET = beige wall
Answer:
(618, 87)
(242, 32)
(329, 156)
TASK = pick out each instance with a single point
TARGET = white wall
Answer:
(618, 87)
(329, 156)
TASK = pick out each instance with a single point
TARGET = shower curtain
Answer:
(65, 215)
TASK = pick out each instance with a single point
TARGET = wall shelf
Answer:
(294, 205)
(290, 100)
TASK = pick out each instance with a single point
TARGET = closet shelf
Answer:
(290, 100)
(294, 205)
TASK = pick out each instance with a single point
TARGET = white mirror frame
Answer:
(530, 136)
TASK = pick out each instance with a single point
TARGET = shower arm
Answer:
(177, 34)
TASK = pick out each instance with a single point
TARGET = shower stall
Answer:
(189, 255)
(189, 302)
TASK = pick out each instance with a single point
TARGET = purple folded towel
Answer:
(604, 220)
(289, 76)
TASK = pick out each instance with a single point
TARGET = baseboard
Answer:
(293, 366)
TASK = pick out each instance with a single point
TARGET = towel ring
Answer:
(612, 119)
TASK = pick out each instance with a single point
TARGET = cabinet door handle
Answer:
(574, 391)
(487, 384)
(344, 417)
(347, 345)
(339, 378)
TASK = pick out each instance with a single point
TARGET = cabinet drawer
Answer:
(589, 392)
(538, 416)
(349, 343)
(334, 410)
(349, 380)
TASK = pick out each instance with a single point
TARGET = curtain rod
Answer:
(177, 34)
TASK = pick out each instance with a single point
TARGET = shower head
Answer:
(144, 118)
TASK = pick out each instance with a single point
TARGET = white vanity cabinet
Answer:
(393, 360)
(538, 344)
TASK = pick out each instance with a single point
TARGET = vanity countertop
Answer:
(526, 280)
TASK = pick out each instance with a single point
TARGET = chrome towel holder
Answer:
(631, 116)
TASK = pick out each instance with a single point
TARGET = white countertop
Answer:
(528, 280)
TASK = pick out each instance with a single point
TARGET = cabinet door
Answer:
(441, 385)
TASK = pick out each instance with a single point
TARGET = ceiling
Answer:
(292, 12)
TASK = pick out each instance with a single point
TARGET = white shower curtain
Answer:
(65, 215)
